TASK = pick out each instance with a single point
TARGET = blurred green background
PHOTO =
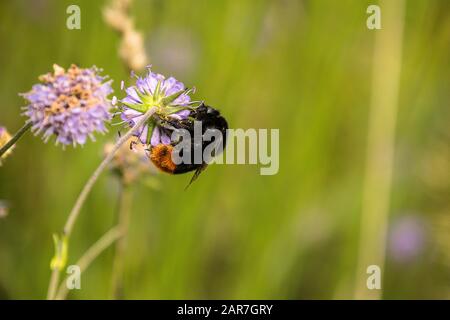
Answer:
(304, 67)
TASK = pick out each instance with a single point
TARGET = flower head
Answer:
(4, 138)
(131, 164)
(168, 95)
(407, 238)
(70, 104)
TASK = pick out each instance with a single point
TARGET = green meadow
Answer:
(364, 153)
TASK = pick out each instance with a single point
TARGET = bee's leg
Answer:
(167, 125)
(196, 174)
(132, 144)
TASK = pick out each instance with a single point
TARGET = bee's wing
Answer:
(196, 174)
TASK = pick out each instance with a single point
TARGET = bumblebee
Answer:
(162, 154)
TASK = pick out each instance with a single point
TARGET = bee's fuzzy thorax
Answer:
(161, 156)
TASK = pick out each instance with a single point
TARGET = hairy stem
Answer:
(90, 255)
(16, 137)
(52, 285)
(123, 217)
(88, 187)
(90, 183)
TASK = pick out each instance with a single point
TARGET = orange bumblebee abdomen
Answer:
(161, 156)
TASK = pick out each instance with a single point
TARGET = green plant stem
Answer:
(380, 147)
(90, 183)
(123, 217)
(16, 137)
(52, 285)
(90, 255)
(74, 213)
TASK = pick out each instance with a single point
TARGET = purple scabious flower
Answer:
(407, 238)
(168, 95)
(70, 104)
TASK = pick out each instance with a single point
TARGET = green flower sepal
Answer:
(59, 260)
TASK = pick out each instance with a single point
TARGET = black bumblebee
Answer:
(210, 118)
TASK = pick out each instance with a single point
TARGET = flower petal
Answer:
(155, 137)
